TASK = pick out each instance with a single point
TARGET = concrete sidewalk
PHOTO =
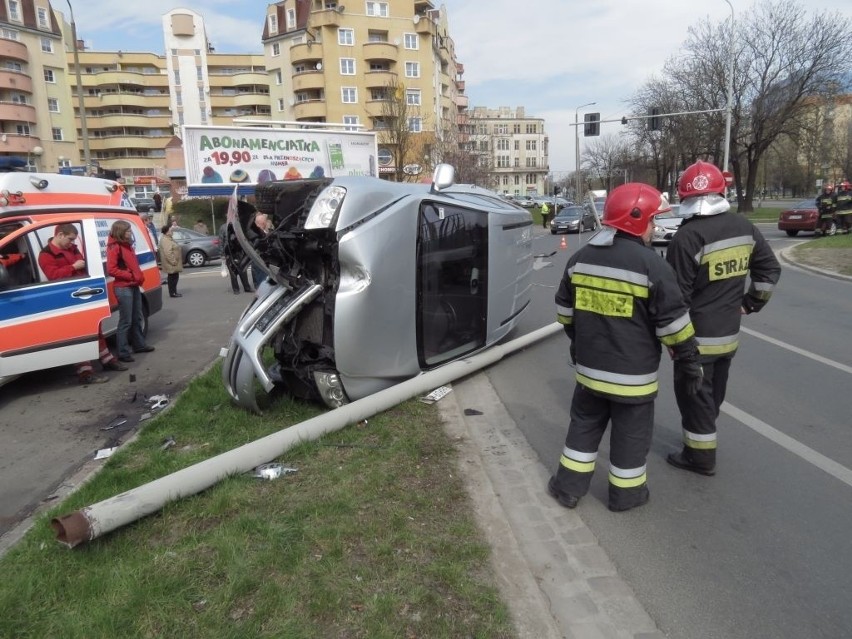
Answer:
(555, 578)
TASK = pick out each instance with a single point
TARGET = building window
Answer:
(415, 125)
(43, 21)
(177, 78)
(49, 77)
(22, 129)
(412, 69)
(64, 163)
(53, 105)
(349, 95)
(411, 41)
(517, 163)
(276, 49)
(15, 10)
(280, 104)
(46, 45)
(502, 144)
(350, 122)
(412, 97)
(347, 66)
(57, 134)
(8, 34)
(531, 145)
(377, 36)
(272, 21)
(517, 145)
(531, 128)
(291, 19)
(531, 163)
(516, 129)
(278, 77)
(377, 9)
(346, 37)
(483, 145)
(501, 129)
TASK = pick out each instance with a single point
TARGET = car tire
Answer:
(196, 258)
(552, 232)
(792, 233)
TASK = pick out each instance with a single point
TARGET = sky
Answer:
(549, 56)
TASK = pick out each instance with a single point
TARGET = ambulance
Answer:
(54, 323)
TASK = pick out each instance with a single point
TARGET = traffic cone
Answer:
(563, 244)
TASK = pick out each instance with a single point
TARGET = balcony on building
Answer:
(379, 51)
(15, 81)
(306, 52)
(307, 80)
(326, 17)
(311, 109)
(17, 112)
(377, 108)
(379, 79)
(14, 144)
(13, 50)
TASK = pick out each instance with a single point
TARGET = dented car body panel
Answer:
(398, 279)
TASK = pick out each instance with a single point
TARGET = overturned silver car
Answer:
(371, 282)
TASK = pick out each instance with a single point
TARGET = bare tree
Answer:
(606, 159)
(396, 134)
(452, 146)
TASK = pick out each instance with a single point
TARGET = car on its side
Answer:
(802, 216)
(666, 225)
(144, 204)
(196, 248)
(370, 282)
(573, 219)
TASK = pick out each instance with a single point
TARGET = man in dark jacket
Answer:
(712, 253)
(618, 302)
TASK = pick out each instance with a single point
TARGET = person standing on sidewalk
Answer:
(712, 254)
(618, 301)
(123, 265)
(171, 259)
(62, 259)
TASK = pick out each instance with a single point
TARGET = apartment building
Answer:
(513, 145)
(386, 66)
(36, 112)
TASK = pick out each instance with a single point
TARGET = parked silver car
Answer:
(371, 282)
(196, 248)
(666, 225)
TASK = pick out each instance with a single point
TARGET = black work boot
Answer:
(569, 501)
(681, 460)
(624, 502)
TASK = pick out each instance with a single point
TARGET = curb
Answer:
(787, 258)
(553, 575)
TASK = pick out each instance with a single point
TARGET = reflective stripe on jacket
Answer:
(618, 303)
(712, 256)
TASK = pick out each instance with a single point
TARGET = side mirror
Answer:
(443, 177)
(4, 278)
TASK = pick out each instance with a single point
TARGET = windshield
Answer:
(573, 212)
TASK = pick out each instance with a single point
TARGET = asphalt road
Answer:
(50, 426)
(761, 549)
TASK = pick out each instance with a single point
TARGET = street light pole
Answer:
(730, 92)
(577, 194)
(87, 156)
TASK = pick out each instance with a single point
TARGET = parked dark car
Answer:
(196, 248)
(371, 282)
(573, 219)
(143, 204)
(800, 217)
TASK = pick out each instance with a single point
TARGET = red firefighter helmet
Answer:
(701, 178)
(827, 188)
(844, 185)
(630, 206)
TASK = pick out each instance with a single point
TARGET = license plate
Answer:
(794, 217)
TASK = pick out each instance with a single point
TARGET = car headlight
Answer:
(325, 208)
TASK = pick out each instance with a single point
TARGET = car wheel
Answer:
(792, 233)
(145, 319)
(552, 232)
(196, 258)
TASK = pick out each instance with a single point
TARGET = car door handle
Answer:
(87, 292)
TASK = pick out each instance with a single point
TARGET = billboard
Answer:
(217, 158)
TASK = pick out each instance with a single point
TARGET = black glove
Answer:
(572, 351)
(689, 374)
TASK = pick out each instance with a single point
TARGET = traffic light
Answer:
(591, 124)
(655, 121)
(556, 190)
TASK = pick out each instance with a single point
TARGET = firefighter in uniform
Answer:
(712, 253)
(826, 205)
(843, 201)
(618, 301)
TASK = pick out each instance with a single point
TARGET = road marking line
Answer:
(838, 471)
(799, 351)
